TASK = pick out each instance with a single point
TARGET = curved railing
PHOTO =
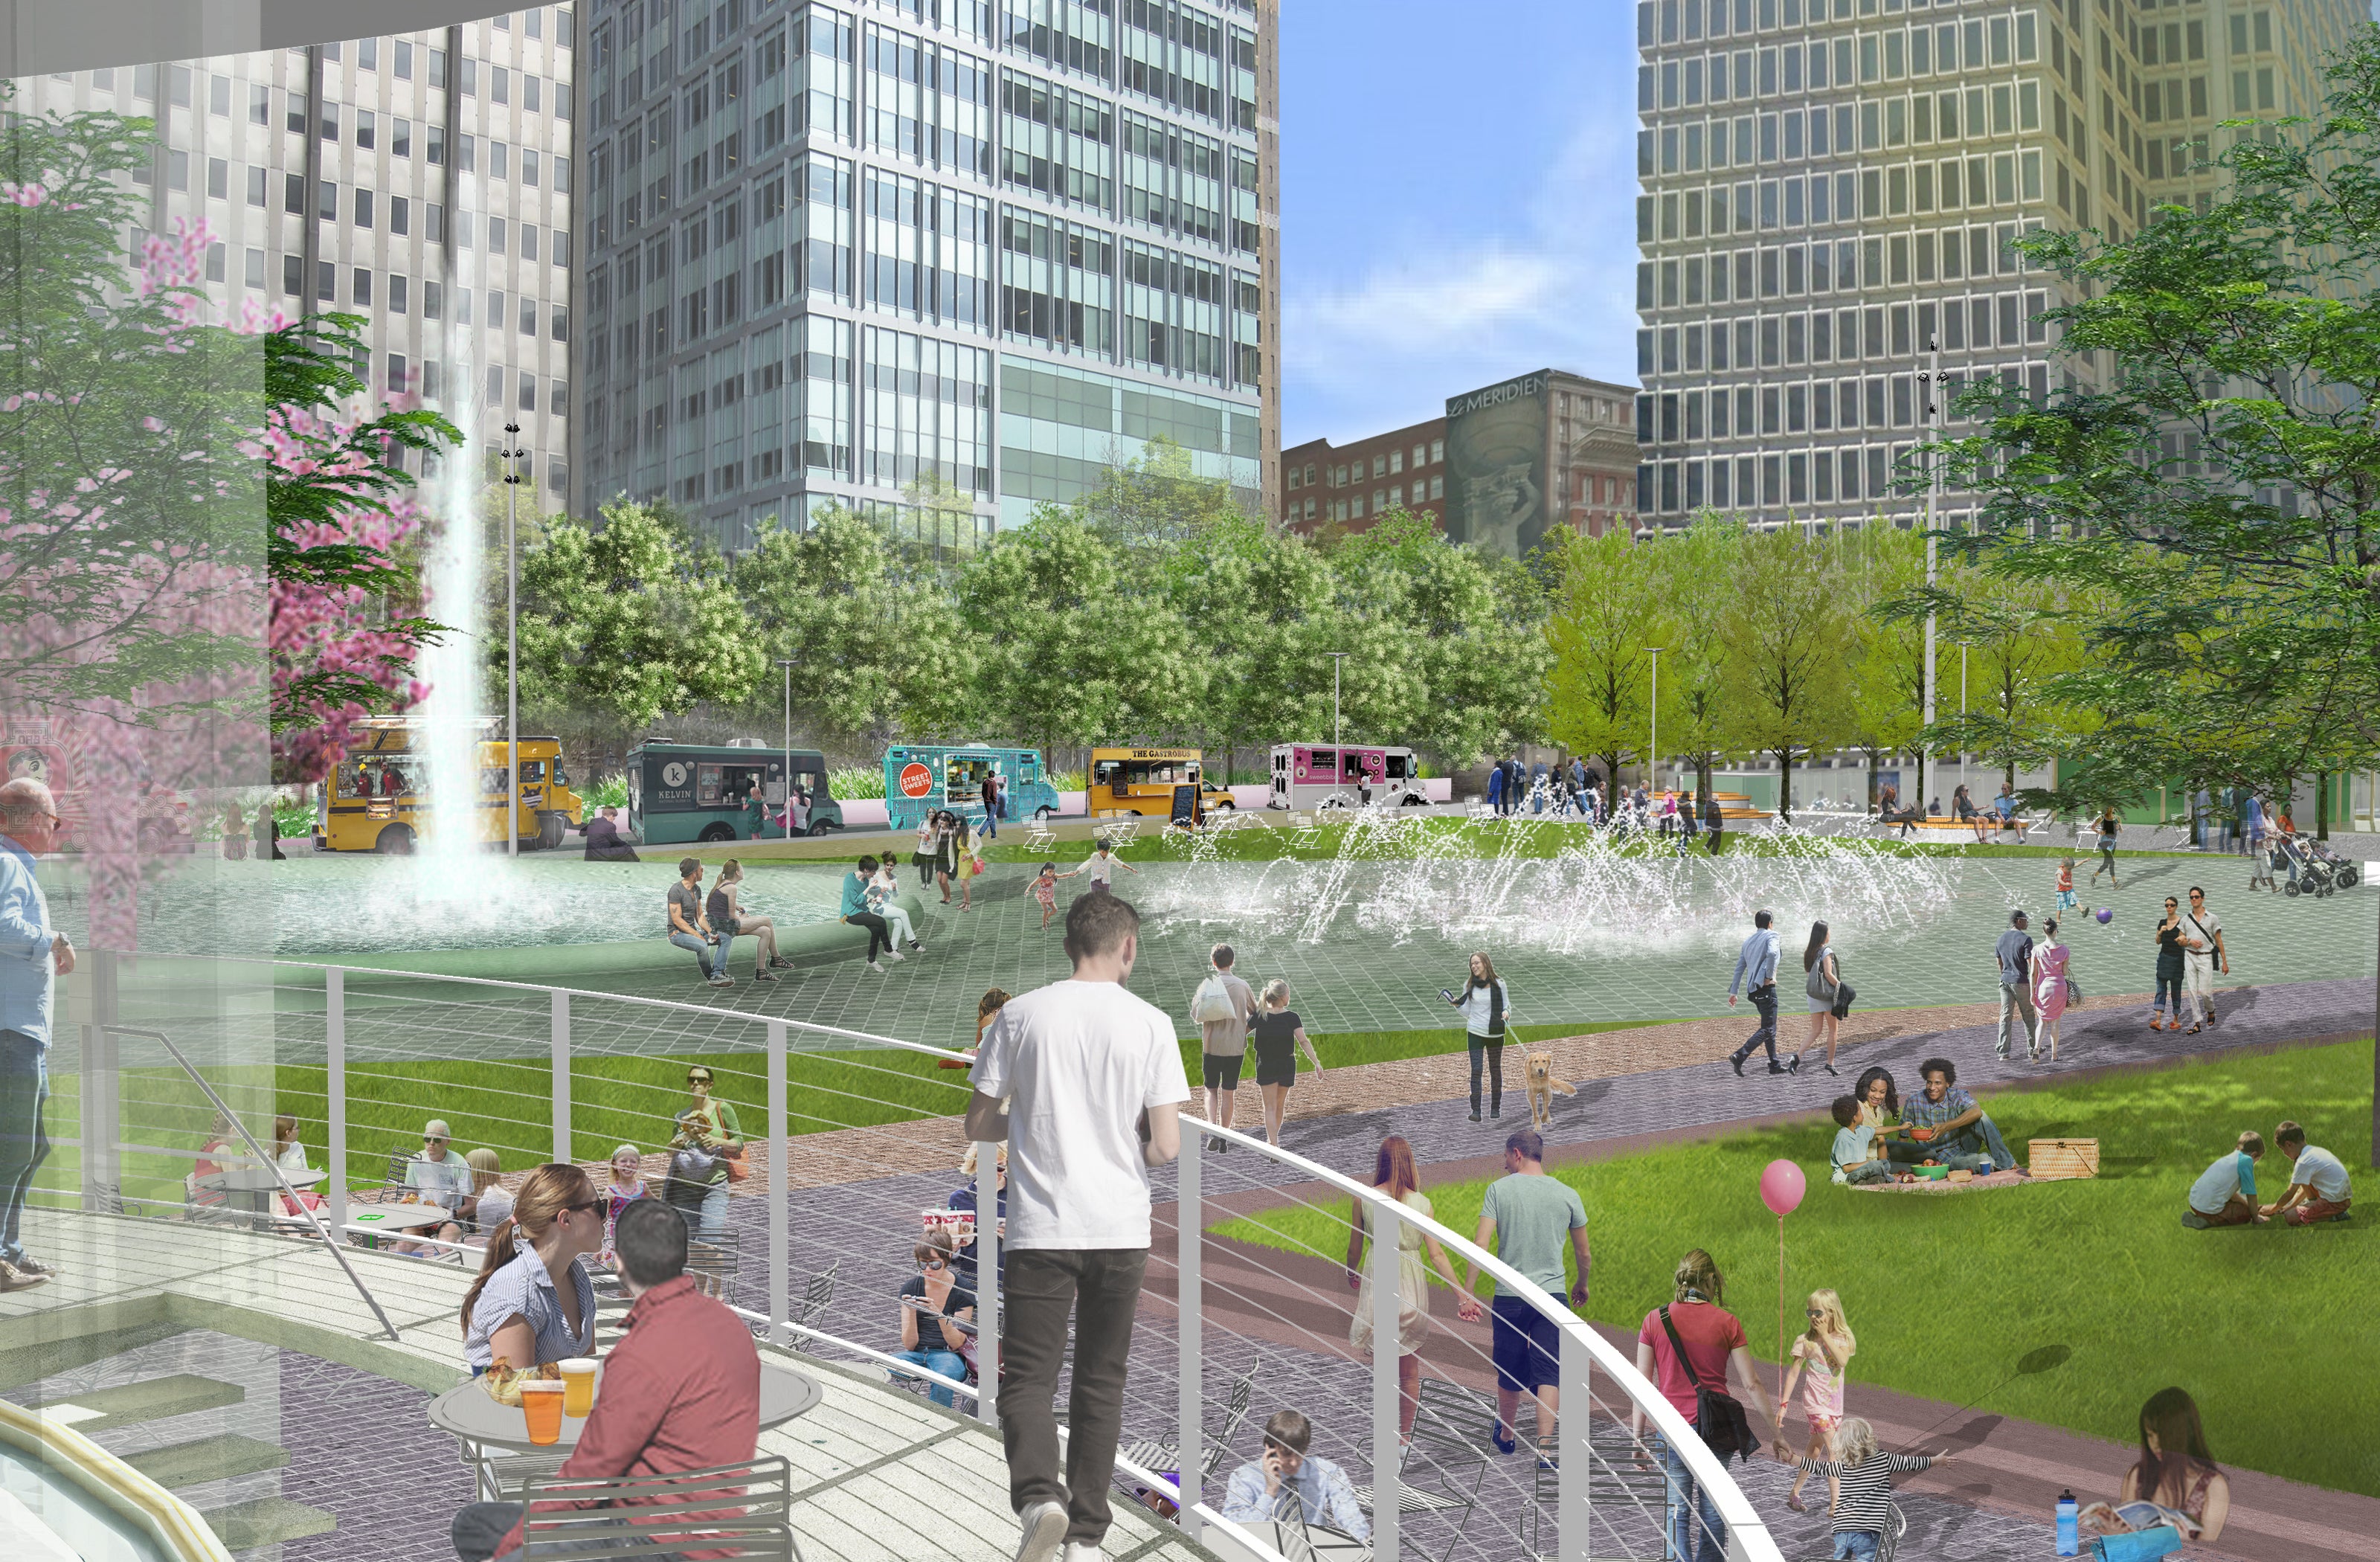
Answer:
(850, 1125)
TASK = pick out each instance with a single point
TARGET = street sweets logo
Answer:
(915, 780)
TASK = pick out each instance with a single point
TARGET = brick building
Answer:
(1540, 448)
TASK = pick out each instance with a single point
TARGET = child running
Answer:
(1859, 1486)
(1045, 890)
(1824, 1350)
(2066, 902)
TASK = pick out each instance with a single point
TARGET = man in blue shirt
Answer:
(1756, 963)
(855, 912)
(1290, 1485)
(33, 955)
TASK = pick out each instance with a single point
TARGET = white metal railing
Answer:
(1590, 1511)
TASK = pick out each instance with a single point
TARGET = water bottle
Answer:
(2069, 1540)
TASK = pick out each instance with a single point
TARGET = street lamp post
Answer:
(1929, 385)
(1653, 740)
(1962, 711)
(788, 802)
(1338, 662)
(512, 456)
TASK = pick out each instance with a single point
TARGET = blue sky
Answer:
(1458, 188)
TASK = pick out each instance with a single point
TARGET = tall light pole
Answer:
(513, 456)
(1929, 385)
(786, 662)
(1962, 712)
(1338, 661)
(1653, 743)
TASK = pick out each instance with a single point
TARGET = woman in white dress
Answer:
(1393, 1176)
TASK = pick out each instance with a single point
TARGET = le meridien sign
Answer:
(1521, 389)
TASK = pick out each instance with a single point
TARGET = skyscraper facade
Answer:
(1830, 187)
(420, 181)
(937, 260)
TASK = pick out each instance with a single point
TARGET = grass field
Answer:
(2272, 1330)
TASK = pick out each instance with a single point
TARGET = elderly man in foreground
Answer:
(33, 955)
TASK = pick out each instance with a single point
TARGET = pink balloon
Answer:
(1781, 1186)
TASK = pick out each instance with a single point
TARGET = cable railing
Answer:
(843, 1131)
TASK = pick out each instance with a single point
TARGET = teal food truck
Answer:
(698, 792)
(919, 779)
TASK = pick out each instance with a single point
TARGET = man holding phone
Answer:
(1289, 1483)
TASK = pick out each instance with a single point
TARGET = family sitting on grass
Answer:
(2225, 1194)
(1942, 1125)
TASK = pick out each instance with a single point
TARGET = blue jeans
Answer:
(949, 1363)
(991, 824)
(701, 950)
(24, 1139)
(712, 1220)
(1856, 1545)
(1690, 1541)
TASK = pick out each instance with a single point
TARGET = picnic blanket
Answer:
(1996, 1179)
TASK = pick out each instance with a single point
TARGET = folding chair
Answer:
(740, 1511)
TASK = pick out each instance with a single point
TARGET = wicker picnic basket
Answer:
(2054, 1160)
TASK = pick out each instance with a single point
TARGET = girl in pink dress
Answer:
(1821, 1354)
(1045, 890)
(2050, 987)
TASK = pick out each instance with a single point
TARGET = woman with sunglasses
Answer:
(936, 1315)
(534, 1302)
(708, 1124)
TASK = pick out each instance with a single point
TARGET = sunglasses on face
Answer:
(697, 1079)
(432, 1139)
(931, 1264)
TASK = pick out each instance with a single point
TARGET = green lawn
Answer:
(2272, 1330)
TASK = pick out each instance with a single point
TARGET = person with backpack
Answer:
(1686, 1348)
(2014, 954)
(1221, 1007)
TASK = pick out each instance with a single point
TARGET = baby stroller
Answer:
(2344, 871)
(2308, 874)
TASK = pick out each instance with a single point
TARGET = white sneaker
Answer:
(1082, 1551)
(894, 955)
(1044, 1525)
(874, 967)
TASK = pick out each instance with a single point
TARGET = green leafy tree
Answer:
(1694, 579)
(874, 653)
(2022, 639)
(1885, 709)
(1787, 694)
(1257, 614)
(1607, 616)
(631, 623)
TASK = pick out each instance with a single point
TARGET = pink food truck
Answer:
(1343, 776)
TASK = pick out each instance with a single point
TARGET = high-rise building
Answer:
(420, 181)
(982, 249)
(1829, 187)
(1497, 468)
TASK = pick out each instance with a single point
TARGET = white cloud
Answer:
(1428, 318)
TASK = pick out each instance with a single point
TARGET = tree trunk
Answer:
(1784, 784)
(1874, 760)
(2322, 806)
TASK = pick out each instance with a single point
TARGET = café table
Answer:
(488, 1430)
(393, 1220)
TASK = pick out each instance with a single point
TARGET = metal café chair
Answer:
(1163, 1454)
(1451, 1464)
(818, 1296)
(740, 1511)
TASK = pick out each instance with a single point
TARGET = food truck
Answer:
(1343, 776)
(700, 791)
(1143, 781)
(376, 797)
(922, 778)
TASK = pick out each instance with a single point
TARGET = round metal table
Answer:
(466, 1411)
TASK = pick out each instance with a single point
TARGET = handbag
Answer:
(1718, 1415)
(2140, 1545)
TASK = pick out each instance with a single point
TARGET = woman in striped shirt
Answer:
(1859, 1481)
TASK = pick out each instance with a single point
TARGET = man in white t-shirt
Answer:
(1095, 1086)
(2318, 1185)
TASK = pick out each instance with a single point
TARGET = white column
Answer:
(1574, 1514)
(562, 1077)
(987, 1280)
(334, 1089)
(1387, 1449)
(1190, 1440)
(781, 1238)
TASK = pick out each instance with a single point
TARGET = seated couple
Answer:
(1875, 1127)
(2225, 1194)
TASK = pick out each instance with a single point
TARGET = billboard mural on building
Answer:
(1496, 466)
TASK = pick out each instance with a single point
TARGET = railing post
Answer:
(1574, 1489)
(1387, 1351)
(1190, 1440)
(780, 1240)
(102, 1093)
(334, 1089)
(562, 1077)
(987, 1283)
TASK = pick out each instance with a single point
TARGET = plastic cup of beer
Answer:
(541, 1403)
(578, 1386)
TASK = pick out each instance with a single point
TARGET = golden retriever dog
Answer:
(1543, 1087)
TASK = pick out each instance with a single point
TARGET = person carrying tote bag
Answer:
(1829, 995)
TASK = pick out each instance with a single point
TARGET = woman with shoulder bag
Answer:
(1686, 1348)
(1830, 996)
(706, 1153)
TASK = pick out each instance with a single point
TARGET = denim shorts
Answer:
(1527, 1345)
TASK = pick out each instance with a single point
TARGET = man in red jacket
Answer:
(681, 1392)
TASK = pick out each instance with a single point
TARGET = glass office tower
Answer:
(1829, 186)
(938, 260)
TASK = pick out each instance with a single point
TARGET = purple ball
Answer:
(2106, 914)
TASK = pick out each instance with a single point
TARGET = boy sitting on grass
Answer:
(2225, 1194)
(1854, 1158)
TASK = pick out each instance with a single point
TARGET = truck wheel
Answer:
(396, 841)
(712, 833)
(551, 829)
(1043, 815)
(817, 827)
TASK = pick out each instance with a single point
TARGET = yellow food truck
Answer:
(376, 797)
(1142, 781)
